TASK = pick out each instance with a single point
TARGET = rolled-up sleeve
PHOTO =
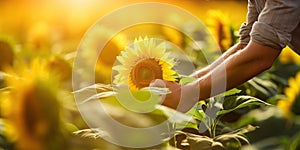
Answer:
(276, 22)
(246, 28)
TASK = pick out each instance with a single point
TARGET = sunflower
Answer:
(145, 61)
(36, 107)
(173, 35)
(219, 25)
(99, 35)
(61, 67)
(289, 56)
(291, 105)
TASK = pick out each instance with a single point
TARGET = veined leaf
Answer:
(236, 102)
(260, 88)
(198, 114)
(232, 92)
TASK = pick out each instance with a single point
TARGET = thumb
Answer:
(158, 83)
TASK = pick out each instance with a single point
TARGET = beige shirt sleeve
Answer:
(276, 22)
(246, 28)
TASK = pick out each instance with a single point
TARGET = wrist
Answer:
(189, 97)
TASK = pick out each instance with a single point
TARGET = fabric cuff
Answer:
(265, 34)
(244, 34)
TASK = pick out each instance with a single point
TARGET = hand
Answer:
(181, 98)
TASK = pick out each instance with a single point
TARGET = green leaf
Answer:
(295, 142)
(180, 126)
(198, 114)
(273, 100)
(260, 88)
(197, 111)
(285, 71)
(232, 92)
(186, 79)
(236, 102)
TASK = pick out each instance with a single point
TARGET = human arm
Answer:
(245, 30)
(238, 68)
(217, 62)
(270, 32)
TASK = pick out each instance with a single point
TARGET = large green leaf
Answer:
(285, 71)
(260, 88)
(236, 102)
(232, 92)
(197, 113)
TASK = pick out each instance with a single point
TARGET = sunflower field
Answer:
(78, 75)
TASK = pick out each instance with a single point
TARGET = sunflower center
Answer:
(145, 71)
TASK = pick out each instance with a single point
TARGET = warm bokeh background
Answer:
(38, 43)
(61, 24)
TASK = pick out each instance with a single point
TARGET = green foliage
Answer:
(233, 140)
(280, 73)
(232, 92)
(259, 88)
(204, 111)
(237, 102)
(294, 143)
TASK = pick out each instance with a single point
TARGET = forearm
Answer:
(217, 62)
(236, 69)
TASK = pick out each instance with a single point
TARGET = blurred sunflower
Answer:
(35, 110)
(6, 53)
(173, 35)
(144, 62)
(108, 54)
(219, 25)
(61, 67)
(40, 36)
(289, 56)
(291, 105)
